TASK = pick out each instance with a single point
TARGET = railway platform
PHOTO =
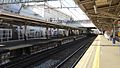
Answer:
(101, 54)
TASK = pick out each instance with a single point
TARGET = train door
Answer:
(20, 33)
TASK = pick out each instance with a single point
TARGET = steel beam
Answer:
(85, 2)
(108, 14)
(102, 16)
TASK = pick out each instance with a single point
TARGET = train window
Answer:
(1, 34)
(10, 34)
(5, 34)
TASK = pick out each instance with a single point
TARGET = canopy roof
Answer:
(102, 12)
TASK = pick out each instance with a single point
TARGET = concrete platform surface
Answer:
(101, 54)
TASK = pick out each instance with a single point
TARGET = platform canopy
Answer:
(102, 12)
(21, 1)
(65, 10)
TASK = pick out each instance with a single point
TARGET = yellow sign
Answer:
(119, 34)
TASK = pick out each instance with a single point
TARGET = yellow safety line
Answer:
(97, 58)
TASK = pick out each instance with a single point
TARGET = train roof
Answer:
(18, 47)
(12, 45)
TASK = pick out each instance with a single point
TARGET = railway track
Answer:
(44, 56)
(72, 59)
(61, 59)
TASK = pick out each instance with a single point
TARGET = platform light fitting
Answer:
(95, 9)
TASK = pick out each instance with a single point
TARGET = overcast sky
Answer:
(76, 13)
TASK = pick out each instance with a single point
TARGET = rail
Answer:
(70, 56)
(42, 47)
